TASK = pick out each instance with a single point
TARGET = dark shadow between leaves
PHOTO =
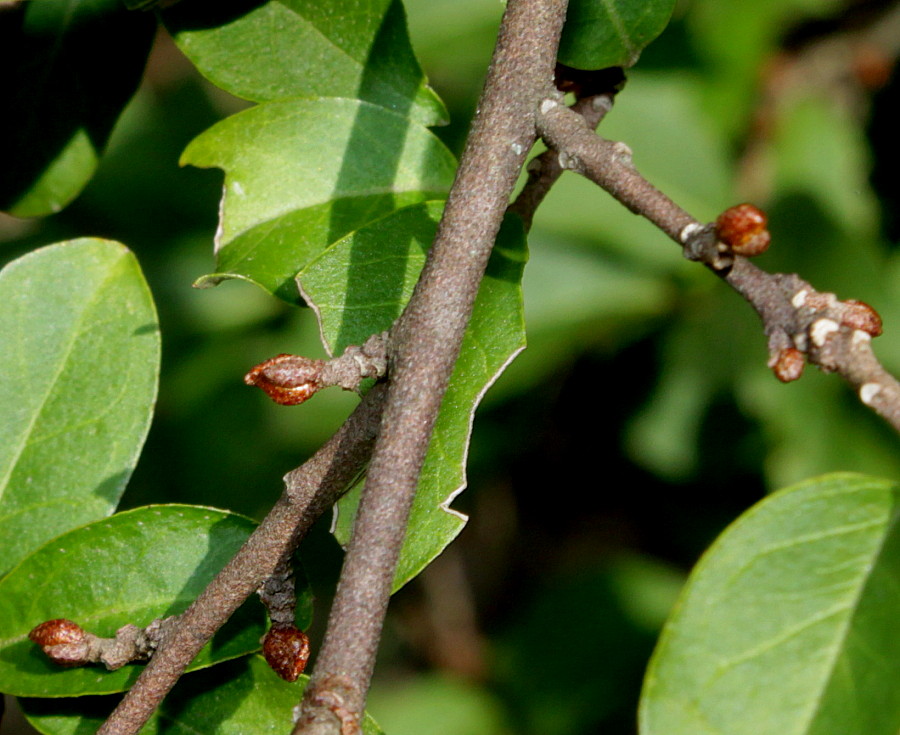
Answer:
(110, 490)
(76, 66)
(196, 15)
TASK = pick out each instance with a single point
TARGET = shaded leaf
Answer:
(360, 285)
(76, 64)
(602, 33)
(301, 174)
(264, 51)
(131, 568)
(788, 624)
(237, 698)
(437, 704)
(79, 352)
(495, 335)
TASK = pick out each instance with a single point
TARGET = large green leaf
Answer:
(71, 65)
(602, 33)
(237, 698)
(789, 623)
(264, 51)
(134, 567)
(381, 263)
(79, 355)
(303, 173)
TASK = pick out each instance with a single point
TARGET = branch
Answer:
(310, 490)
(424, 346)
(797, 320)
(595, 92)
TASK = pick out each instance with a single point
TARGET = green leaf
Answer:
(79, 352)
(437, 703)
(301, 174)
(602, 33)
(76, 64)
(264, 51)
(238, 698)
(134, 567)
(360, 284)
(495, 335)
(788, 624)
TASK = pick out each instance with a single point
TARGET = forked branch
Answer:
(424, 345)
(799, 322)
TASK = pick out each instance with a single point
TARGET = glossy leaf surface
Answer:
(71, 65)
(79, 355)
(495, 335)
(134, 567)
(602, 33)
(301, 174)
(788, 624)
(307, 48)
(237, 698)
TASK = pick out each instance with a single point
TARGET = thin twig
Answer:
(595, 92)
(797, 319)
(544, 170)
(424, 347)
(310, 490)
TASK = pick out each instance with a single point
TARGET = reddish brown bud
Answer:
(859, 315)
(56, 632)
(788, 364)
(286, 649)
(62, 641)
(287, 379)
(743, 229)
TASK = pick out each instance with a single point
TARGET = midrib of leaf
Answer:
(848, 622)
(76, 334)
(619, 27)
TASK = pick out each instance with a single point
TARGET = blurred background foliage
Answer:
(641, 420)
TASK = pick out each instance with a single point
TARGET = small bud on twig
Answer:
(788, 364)
(61, 640)
(67, 644)
(859, 315)
(743, 229)
(287, 379)
(286, 650)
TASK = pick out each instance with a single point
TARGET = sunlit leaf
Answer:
(301, 174)
(79, 355)
(264, 51)
(602, 33)
(134, 567)
(788, 624)
(237, 698)
(71, 66)
(494, 336)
